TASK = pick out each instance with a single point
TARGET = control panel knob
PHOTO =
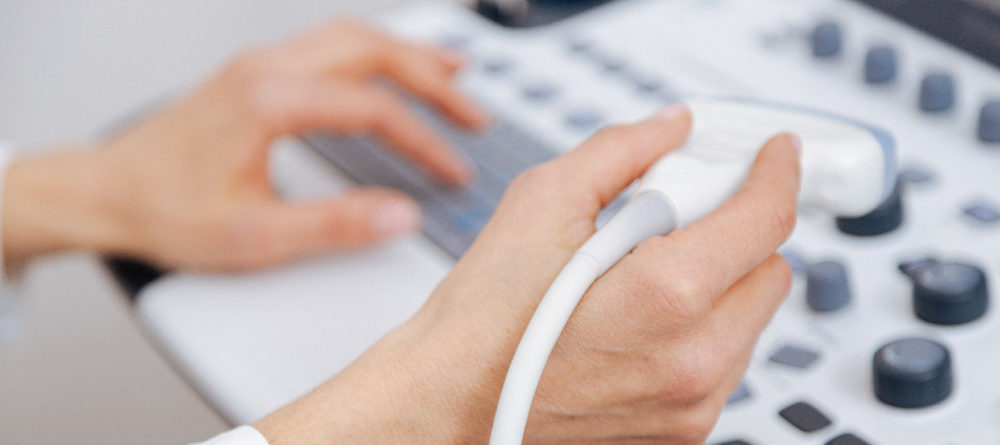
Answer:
(828, 288)
(949, 293)
(937, 92)
(912, 373)
(989, 122)
(885, 218)
(827, 39)
(880, 65)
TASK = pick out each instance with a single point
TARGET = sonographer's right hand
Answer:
(649, 356)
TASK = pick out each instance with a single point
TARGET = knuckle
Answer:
(254, 83)
(692, 380)
(672, 297)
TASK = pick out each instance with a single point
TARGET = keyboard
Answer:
(453, 216)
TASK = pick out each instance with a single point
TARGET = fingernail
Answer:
(396, 218)
(796, 142)
(672, 112)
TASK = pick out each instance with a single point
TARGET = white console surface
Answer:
(254, 342)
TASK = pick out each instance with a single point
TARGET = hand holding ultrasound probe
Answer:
(651, 352)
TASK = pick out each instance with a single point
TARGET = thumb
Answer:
(358, 218)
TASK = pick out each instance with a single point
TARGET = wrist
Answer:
(402, 390)
(60, 201)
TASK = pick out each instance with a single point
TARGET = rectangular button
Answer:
(805, 417)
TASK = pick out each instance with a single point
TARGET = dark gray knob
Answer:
(827, 287)
(827, 39)
(949, 293)
(937, 92)
(912, 373)
(881, 65)
(885, 218)
(989, 122)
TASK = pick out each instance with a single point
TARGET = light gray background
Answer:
(82, 373)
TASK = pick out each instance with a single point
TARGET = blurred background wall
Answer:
(80, 372)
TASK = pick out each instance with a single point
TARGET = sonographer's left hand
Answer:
(649, 356)
(189, 187)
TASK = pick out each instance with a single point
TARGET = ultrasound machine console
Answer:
(888, 335)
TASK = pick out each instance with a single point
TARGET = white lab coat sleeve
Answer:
(243, 435)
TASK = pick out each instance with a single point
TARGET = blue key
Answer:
(916, 175)
(498, 66)
(881, 65)
(584, 119)
(982, 212)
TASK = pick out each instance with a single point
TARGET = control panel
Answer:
(888, 336)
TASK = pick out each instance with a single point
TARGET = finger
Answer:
(616, 156)
(746, 308)
(352, 108)
(355, 49)
(362, 217)
(713, 253)
(428, 74)
(720, 398)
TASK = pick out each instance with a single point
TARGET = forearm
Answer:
(403, 390)
(59, 201)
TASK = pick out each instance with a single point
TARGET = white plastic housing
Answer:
(846, 167)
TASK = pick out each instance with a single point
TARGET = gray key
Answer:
(795, 356)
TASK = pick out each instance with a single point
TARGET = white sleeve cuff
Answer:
(244, 435)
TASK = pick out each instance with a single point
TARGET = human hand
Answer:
(189, 187)
(649, 356)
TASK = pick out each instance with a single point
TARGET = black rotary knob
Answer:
(912, 373)
(949, 293)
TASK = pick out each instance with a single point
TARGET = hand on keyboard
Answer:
(189, 188)
(650, 355)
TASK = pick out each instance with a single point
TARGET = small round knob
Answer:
(828, 288)
(885, 218)
(827, 39)
(937, 92)
(880, 65)
(949, 293)
(912, 373)
(989, 122)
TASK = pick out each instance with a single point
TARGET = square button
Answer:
(795, 356)
(846, 439)
(982, 212)
(805, 417)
